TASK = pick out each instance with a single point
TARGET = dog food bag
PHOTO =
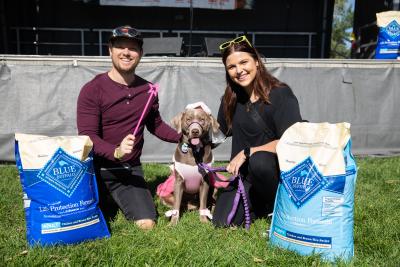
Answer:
(314, 205)
(60, 191)
(388, 46)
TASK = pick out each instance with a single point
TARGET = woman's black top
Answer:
(280, 114)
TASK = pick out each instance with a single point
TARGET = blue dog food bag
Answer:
(60, 191)
(314, 205)
(388, 45)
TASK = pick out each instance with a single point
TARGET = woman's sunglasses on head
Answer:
(237, 40)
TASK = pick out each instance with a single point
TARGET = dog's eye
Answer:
(202, 121)
(188, 120)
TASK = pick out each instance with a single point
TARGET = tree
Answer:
(342, 21)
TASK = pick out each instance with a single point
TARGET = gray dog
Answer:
(196, 125)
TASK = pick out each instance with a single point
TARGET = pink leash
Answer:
(153, 92)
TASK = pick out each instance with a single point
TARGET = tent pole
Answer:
(191, 28)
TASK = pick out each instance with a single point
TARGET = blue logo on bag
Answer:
(393, 29)
(63, 172)
(303, 182)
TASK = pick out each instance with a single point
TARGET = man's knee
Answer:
(145, 224)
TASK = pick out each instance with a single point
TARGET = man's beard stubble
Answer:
(129, 71)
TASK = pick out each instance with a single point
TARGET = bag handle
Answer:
(260, 121)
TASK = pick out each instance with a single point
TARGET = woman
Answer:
(255, 110)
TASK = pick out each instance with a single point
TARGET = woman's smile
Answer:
(242, 68)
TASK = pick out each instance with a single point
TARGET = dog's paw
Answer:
(204, 219)
(174, 215)
(205, 215)
(174, 221)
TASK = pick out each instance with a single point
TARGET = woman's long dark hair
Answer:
(263, 82)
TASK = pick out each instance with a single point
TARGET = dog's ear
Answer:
(177, 122)
(214, 124)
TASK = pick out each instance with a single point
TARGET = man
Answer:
(109, 108)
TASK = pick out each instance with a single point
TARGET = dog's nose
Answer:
(195, 132)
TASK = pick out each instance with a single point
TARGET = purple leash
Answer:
(239, 193)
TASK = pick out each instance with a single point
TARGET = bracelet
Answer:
(117, 153)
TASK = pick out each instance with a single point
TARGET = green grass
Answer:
(377, 231)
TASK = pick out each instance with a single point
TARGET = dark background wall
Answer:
(276, 16)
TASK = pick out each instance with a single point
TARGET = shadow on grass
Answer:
(154, 182)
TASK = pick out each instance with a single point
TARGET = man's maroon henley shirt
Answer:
(108, 111)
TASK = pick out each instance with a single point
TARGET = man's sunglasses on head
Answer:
(125, 31)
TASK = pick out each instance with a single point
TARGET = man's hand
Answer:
(125, 147)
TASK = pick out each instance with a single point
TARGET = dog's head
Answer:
(195, 124)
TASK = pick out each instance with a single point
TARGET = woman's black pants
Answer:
(260, 180)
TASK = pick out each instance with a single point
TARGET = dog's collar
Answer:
(184, 147)
(197, 147)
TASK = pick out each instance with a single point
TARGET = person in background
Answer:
(108, 111)
(255, 110)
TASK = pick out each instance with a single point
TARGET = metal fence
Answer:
(92, 42)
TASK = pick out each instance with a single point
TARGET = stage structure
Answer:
(284, 29)
(38, 96)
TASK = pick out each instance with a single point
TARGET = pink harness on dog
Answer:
(191, 176)
(166, 188)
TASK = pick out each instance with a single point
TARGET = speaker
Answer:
(167, 46)
(212, 45)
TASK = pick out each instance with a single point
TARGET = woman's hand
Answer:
(235, 164)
